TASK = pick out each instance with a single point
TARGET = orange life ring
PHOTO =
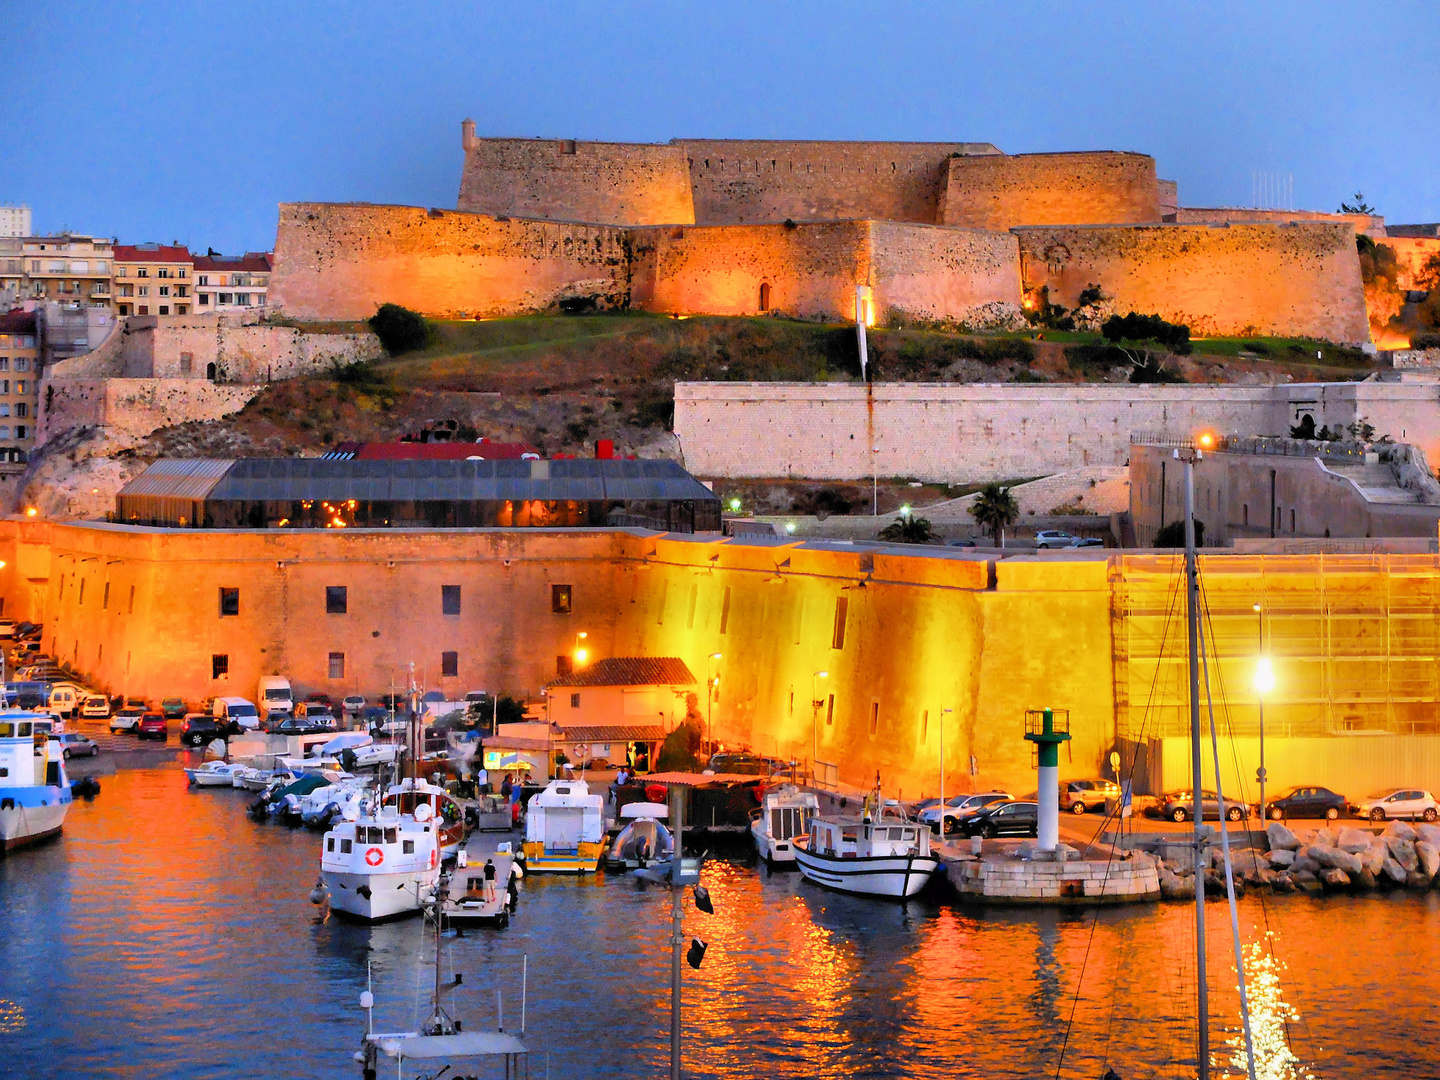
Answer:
(434, 855)
(374, 857)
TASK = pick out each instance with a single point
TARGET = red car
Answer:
(152, 726)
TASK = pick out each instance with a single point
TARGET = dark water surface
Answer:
(168, 936)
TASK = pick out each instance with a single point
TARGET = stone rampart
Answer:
(945, 275)
(1291, 280)
(1370, 224)
(1411, 252)
(340, 261)
(569, 180)
(1002, 191)
(242, 349)
(970, 433)
(760, 180)
(130, 409)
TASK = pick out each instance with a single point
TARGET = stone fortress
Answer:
(950, 233)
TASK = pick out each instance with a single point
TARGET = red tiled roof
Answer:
(152, 253)
(631, 671)
(254, 261)
(442, 451)
(17, 322)
(613, 733)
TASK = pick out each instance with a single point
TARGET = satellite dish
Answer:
(423, 812)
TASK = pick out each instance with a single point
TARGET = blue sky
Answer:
(164, 122)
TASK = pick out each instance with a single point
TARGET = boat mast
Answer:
(1192, 605)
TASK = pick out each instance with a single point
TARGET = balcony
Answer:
(100, 292)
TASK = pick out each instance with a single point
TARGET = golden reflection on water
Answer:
(1270, 1018)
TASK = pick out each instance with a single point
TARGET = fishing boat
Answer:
(785, 813)
(564, 829)
(214, 774)
(35, 790)
(449, 816)
(880, 853)
(470, 896)
(380, 865)
(644, 839)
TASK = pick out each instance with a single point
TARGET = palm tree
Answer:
(995, 508)
(908, 529)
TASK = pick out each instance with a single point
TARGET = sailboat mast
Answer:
(1192, 597)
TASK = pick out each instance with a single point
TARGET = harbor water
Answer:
(167, 935)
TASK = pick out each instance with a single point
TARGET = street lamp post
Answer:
(710, 684)
(943, 713)
(1264, 683)
(874, 482)
(815, 703)
(581, 653)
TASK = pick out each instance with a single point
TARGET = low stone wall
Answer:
(1008, 879)
(133, 408)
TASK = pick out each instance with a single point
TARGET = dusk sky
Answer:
(191, 122)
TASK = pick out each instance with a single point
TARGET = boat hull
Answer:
(29, 818)
(581, 860)
(770, 849)
(895, 877)
(378, 896)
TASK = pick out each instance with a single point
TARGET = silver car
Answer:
(73, 744)
(1053, 538)
(958, 809)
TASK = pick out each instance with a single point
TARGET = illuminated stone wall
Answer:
(1002, 191)
(1352, 636)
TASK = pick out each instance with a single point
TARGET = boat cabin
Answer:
(26, 758)
(386, 844)
(846, 838)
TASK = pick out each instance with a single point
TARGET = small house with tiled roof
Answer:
(620, 709)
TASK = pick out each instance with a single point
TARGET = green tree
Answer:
(1428, 276)
(401, 330)
(1359, 206)
(908, 529)
(995, 508)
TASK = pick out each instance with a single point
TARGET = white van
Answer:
(65, 700)
(236, 710)
(275, 693)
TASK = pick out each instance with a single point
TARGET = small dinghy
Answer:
(214, 774)
(643, 840)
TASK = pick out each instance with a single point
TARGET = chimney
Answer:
(467, 134)
(605, 450)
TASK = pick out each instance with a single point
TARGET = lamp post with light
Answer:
(581, 653)
(815, 702)
(1264, 683)
(711, 683)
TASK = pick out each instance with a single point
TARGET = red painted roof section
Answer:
(631, 671)
(152, 253)
(442, 451)
(17, 322)
(254, 261)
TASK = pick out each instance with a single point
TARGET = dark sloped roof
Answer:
(251, 260)
(181, 478)
(17, 322)
(614, 733)
(152, 253)
(631, 671)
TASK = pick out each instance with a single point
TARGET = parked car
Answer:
(1087, 542)
(76, 745)
(1179, 806)
(354, 704)
(433, 695)
(66, 699)
(1080, 796)
(275, 718)
(173, 708)
(7, 628)
(740, 762)
(318, 714)
(1053, 538)
(297, 725)
(1307, 802)
(958, 809)
(197, 729)
(960, 543)
(96, 707)
(1399, 803)
(136, 703)
(1004, 819)
(152, 726)
(126, 719)
(236, 712)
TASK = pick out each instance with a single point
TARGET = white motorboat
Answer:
(350, 750)
(785, 813)
(214, 774)
(469, 896)
(644, 839)
(381, 865)
(343, 800)
(564, 829)
(35, 792)
(253, 779)
(410, 794)
(881, 853)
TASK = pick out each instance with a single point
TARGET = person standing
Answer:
(482, 782)
(489, 880)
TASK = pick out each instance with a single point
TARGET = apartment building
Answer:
(15, 220)
(226, 283)
(19, 369)
(67, 269)
(154, 279)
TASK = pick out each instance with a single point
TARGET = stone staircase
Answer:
(1100, 489)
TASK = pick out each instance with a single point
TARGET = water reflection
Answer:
(168, 936)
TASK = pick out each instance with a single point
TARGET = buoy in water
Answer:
(319, 894)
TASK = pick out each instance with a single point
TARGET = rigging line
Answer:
(1229, 867)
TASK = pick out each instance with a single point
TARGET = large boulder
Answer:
(1175, 886)
(1282, 858)
(1403, 852)
(1282, 882)
(1395, 872)
(1429, 833)
(1245, 861)
(1355, 840)
(1418, 879)
(1305, 880)
(1335, 858)
(1400, 830)
(1305, 861)
(1373, 858)
(1367, 879)
(1335, 878)
(1281, 838)
(1429, 856)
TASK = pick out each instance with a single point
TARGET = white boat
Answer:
(644, 839)
(449, 816)
(785, 813)
(253, 779)
(350, 750)
(35, 790)
(564, 829)
(468, 897)
(881, 853)
(326, 804)
(214, 774)
(381, 865)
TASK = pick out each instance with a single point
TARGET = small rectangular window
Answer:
(564, 664)
(219, 665)
(574, 701)
(130, 610)
(874, 718)
(842, 608)
(407, 847)
(925, 725)
(229, 602)
(450, 599)
(346, 846)
(449, 663)
(81, 600)
(337, 665)
(105, 598)
(830, 710)
(560, 599)
(337, 599)
(690, 612)
(330, 844)
(725, 610)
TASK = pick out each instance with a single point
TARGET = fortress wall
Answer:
(949, 275)
(1292, 280)
(1411, 253)
(132, 408)
(759, 180)
(243, 349)
(1003, 191)
(1369, 224)
(568, 180)
(970, 433)
(811, 269)
(338, 261)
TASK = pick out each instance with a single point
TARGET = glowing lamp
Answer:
(905, 511)
(30, 511)
(735, 505)
(1207, 440)
(580, 655)
(1264, 676)
(789, 526)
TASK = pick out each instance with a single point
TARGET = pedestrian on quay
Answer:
(482, 782)
(506, 788)
(489, 880)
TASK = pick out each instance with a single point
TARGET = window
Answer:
(407, 847)
(725, 610)
(130, 610)
(164, 290)
(21, 409)
(874, 718)
(830, 710)
(764, 296)
(143, 290)
(229, 602)
(450, 599)
(187, 363)
(211, 371)
(182, 309)
(181, 290)
(330, 844)
(449, 663)
(4, 408)
(203, 279)
(842, 608)
(337, 600)
(144, 309)
(105, 598)
(337, 665)
(164, 309)
(22, 364)
(574, 701)
(347, 846)
(204, 299)
(223, 298)
(1292, 519)
(219, 665)
(80, 602)
(564, 665)
(560, 599)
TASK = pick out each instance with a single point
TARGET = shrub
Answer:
(1135, 327)
(401, 330)
(362, 374)
(681, 748)
(1425, 341)
(825, 502)
(1259, 348)
(908, 529)
(1152, 371)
